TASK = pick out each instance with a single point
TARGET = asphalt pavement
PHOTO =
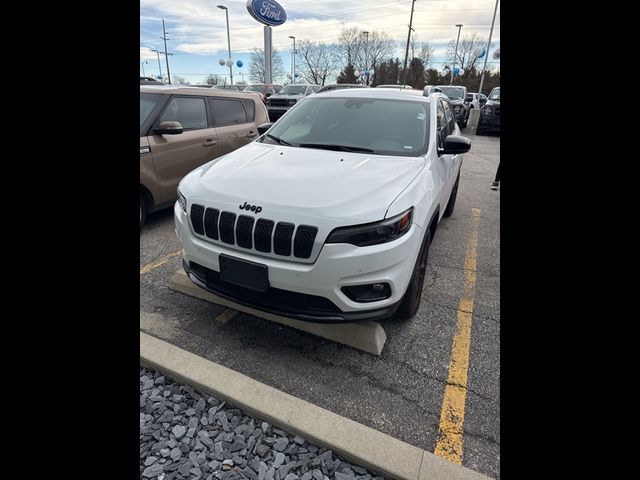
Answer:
(399, 393)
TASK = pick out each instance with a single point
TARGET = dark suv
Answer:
(458, 96)
(279, 103)
(490, 114)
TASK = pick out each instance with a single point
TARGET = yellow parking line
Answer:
(227, 315)
(150, 266)
(449, 443)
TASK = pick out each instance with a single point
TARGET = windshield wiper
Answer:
(279, 140)
(338, 148)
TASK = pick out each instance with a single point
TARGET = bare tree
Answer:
(356, 48)
(317, 61)
(180, 80)
(213, 80)
(465, 59)
(421, 50)
(257, 66)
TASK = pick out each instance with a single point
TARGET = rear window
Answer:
(228, 112)
(251, 110)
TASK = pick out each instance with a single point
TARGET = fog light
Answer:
(372, 292)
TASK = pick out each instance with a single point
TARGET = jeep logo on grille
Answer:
(253, 208)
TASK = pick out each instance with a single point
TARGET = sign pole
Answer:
(267, 55)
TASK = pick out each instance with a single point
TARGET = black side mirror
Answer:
(455, 144)
(483, 101)
(264, 127)
(168, 128)
(469, 98)
(268, 94)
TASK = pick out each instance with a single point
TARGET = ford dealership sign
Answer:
(268, 12)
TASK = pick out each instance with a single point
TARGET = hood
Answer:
(303, 185)
(491, 103)
(457, 101)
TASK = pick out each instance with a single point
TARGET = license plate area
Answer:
(244, 273)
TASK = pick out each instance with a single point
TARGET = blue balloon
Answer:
(482, 54)
(297, 75)
(456, 71)
(239, 63)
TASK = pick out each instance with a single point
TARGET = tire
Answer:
(143, 211)
(452, 199)
(411, 299)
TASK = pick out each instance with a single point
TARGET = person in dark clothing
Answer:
(496, 182)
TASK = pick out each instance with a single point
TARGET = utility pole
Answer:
(159, 64)
(142, 63)
(406, 53)
(484, 67)
(366, 56)
(166, 55)
(455, 54)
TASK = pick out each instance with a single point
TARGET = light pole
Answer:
(456, 52)
(406, 52)
(484, 67)
(226, 11)
(366, 55)
(142, 63)
(159, 64)
(293, 74)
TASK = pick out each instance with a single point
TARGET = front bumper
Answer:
(489, 122)
(310, 292)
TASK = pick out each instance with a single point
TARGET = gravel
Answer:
(187, 434)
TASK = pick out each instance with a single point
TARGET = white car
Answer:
(328, 216)
(478, 100)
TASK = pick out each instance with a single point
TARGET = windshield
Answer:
(370, 125)
(148, 102)
(294, 90)
(453, 93)
(495, 94)
(254, 88)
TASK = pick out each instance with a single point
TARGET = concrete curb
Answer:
(357, 443)
(367, 336)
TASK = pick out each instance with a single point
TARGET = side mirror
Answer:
(483, 101)
(264, 127)
(469, 98)
(168, 128)
(268, 94)
(455, 144)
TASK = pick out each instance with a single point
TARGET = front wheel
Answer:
(411, 299)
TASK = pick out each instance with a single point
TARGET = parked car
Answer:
(279, 103)
(399, 87)
(477, 100)
(458, 96)
(338, 86)
(150, 81)
(183, 127)
(329, 215)
(490, 114)
(237, 87)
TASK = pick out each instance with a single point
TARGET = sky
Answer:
(197, 30)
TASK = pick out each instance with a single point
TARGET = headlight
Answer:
(291, 102)
(182, 201)
(373, 233)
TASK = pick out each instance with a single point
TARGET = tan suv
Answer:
(184, 127)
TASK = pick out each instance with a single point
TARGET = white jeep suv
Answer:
(329, 214)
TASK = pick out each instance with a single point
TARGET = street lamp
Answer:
(159, 64)
(456, 52)
(230, 62)
(366, 60)
(293, 75)
(142, 63)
